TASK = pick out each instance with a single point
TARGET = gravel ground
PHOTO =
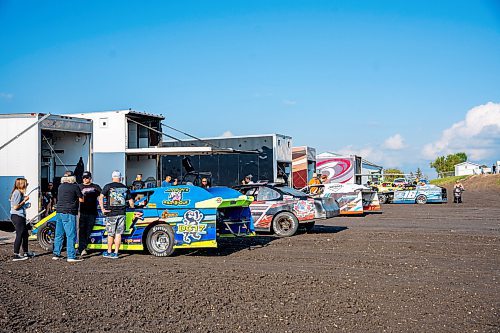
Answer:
(429, 268)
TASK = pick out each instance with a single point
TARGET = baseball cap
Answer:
(249, 176)
(87, 174)
(116, 174)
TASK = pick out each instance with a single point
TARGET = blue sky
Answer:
(382, 78)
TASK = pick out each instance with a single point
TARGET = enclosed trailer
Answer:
(40, 148)
(122, 141)
(303, 165)
(265, 157)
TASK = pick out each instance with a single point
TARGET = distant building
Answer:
(467, 168)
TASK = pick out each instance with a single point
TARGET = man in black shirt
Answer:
(138, 183)
(68, 196)
(88, 211)
(117, 195)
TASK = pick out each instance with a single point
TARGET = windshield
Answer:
(292, 191)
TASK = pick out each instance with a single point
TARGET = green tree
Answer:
(392, 174)
(418, 173)
(447, 164)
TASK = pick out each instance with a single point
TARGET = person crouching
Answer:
(68, 198)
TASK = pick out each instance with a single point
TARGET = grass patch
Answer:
(447, 180)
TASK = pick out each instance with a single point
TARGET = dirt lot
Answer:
(431, 268)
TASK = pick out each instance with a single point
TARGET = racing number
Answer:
(410, 194)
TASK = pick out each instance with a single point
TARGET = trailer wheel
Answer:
(382, 198)
(421, 199)
(285, 224)
(46, 235)
(160, 240)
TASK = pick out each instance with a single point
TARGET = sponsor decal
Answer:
(303, 208)
(151, 205)
(334, 187)
(166, 214)
(191, 229)
(175, 196)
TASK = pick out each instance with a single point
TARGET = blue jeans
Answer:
(66, 224)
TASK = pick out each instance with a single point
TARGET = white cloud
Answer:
(366, 152)
(395, 142)
(385, 158)
(227, 134)
(6, 96)
(478, 135)
(289, 102)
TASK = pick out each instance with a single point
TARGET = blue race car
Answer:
(169, 218)
(421, 194)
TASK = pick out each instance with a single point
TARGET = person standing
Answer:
(204, 183)
(117, 195)
(458, 188)
(313, 184)
(48, 199)
(247, 180)
(167, 182)
(88, 211)
(138, 183)
(68, 197)
(18, 205)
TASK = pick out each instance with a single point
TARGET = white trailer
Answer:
(40, 148)
(131, 142)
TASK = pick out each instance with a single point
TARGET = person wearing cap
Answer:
(138, 183)
(117, 196)
(68, 196)
(88, 211)
(247, 180)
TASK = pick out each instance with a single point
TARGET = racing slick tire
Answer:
(46, 235)
(285, 224)
(160, 240)
(421, 199)
(382, 198)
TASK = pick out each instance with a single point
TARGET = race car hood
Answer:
(230, 197)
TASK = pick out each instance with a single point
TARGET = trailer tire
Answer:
(285, 224)
(46, 235)
(160, 240)
(421, 199)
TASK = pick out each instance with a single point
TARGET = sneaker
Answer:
(74, 260)
(106, 254)
(57, 257)
(17, 257)
(114, 255)
(29, 254)
(84, 253)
